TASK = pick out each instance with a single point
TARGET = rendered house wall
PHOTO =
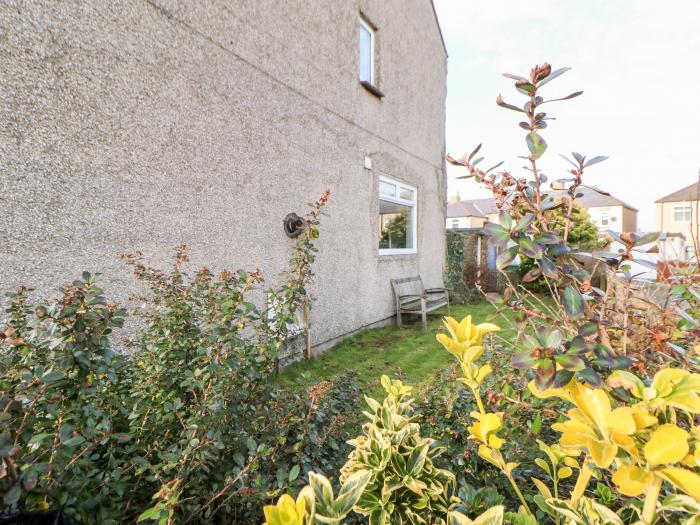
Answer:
(144, 124)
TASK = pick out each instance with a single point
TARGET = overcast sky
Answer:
(637, 61)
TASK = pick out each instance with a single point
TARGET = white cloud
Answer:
(636, 60)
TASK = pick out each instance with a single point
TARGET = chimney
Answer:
(455, 198)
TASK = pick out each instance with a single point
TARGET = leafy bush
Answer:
(405, 484)
(190, 416)
(639, 436)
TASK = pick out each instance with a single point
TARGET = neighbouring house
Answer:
(677, 220)
(472, 213)
(144, 124)
(605, 211)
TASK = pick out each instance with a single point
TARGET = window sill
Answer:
(372, 89)
(394, 253)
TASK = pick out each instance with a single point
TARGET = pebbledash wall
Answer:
(143, 124)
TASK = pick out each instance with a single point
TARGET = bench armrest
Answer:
(436, 290)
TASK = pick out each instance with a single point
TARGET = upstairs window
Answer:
(397, 217)
(366, 52)
(682, 213)
(455, 224)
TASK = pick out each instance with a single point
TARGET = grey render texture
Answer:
(144, 124)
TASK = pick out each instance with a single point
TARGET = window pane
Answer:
(396, 226)
(682, 213)
(365, 54)
(406, 194)
(387, 188)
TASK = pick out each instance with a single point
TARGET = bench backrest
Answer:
(407, 286)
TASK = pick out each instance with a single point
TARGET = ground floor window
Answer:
(397, 217)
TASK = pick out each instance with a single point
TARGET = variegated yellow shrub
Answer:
(640, 444)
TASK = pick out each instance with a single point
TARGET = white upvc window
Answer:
(682, 213)
(604, 218)
(366, 52)
(455, 224)
(397, 217)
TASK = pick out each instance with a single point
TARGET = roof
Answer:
(484, 207)
(472, 208)
(593, 199)
(689, 193)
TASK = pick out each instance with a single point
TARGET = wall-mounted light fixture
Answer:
(293, 225)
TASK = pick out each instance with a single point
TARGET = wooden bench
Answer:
(412, 298)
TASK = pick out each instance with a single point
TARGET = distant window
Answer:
(682, 213)
(397, 217)
(604, 218)
(455, 224)
(366, 52)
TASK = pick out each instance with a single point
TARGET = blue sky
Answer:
(637, 61)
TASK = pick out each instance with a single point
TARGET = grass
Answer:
(411, 354)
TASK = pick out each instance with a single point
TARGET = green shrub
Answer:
(187, 427)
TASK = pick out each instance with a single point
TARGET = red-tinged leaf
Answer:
(554, 74)
(587, 329)
(573, 302)
(621, 362)
(514, 77)
(530, 249)
(595, 160)
(524, 125)
(589, 376)
(476, 150)
(523, 360)
(647, 238)
(500, 102)
(506, 257)
(647, 263)
(562, 378)
(498, 233)
(573, 95)
(533, 274)
(549, 269)
(549, 337)
(544, 376)
(547, 238)
(540, 124)
(567, 159)
(570, 362)
(579, 346)
(524, 222)
(493, 167)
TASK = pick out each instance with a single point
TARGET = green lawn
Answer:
(409, 353)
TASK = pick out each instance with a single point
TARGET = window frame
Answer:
(364, 23)
(684, 208)
(413, 204)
